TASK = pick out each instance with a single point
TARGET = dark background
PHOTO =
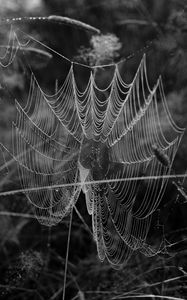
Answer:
(32, 257)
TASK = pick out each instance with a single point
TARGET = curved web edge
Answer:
(122, 210)
(47, 155)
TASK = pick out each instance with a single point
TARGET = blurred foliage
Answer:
(104, 48)
(32, 257)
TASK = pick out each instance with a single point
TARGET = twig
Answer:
(136, 22)
(150, 296)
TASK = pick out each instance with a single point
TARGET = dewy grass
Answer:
(56, 186)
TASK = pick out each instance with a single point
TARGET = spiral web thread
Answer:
(75, 136)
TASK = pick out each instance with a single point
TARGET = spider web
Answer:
(96, 140)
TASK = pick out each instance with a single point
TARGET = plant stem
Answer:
(67, 254)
